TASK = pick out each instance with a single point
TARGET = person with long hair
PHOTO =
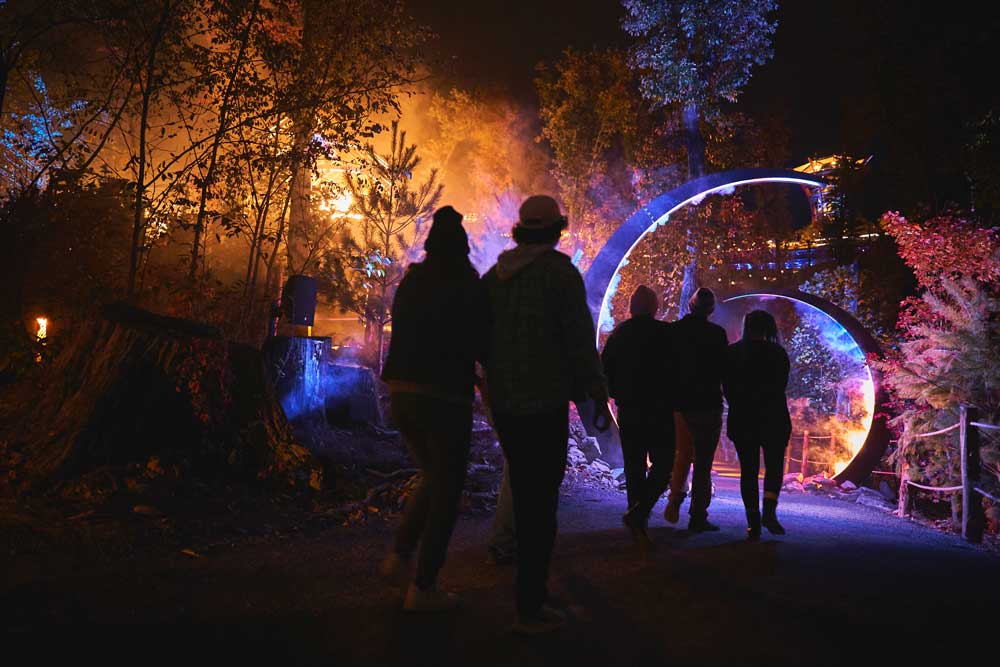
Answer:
(440, 322)
(754, 382)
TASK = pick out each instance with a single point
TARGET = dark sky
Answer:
(900, 79)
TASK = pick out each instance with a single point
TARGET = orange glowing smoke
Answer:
(854, 438)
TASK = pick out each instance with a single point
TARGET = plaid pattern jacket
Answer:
(542, 351)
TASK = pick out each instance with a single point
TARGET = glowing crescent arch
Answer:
(609, 260)
(877, 438)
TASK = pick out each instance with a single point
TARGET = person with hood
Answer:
(699, 353)
(542, 355)
(636, 363)
(754, 382)
(439, 330)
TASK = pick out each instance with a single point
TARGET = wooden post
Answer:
(805, 451)
(832, 449)
(973, 517)
(903, 509)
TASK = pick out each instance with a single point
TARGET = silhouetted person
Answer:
(542, 356)
(636, 364)
(755, 379)
(699, 352)
(439, 330)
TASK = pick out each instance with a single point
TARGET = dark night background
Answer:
(899, 80)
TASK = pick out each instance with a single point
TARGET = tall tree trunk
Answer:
(4, 77)
(383, 310)
(272, 281)
(224, 109)
(138, 220)
(696, 169)
(297, 238)
(694, 141)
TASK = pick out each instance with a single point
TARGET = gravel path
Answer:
(848, 584)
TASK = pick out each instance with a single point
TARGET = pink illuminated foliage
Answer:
(949, 350)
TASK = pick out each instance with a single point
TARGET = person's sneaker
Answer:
(499, 558)
(672, 512)
(429, 600)
(543, 621)
(637, 528)
(633, 522)
(772, 525)
(395, 570)
(701, 526)
(753, 534)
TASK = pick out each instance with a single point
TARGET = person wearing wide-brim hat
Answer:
(542, 355)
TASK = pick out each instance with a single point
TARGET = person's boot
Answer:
(428, 600)
(499, 557)
(753, 525)
(770, 517)
(635, 520)
(543, 621)
(672, 512)
(702, 525)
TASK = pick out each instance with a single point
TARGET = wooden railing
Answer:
(973, 518)
(804, 461)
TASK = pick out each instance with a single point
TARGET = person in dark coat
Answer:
(440, 322)
(542, 356)
(636, 364)
(699, 352)
(755, 379)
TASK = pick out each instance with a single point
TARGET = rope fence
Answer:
(806, 437)
(973, 519)
(988, 427)
(939, 489)
(815, 463)
(940, 432)
(988, 495)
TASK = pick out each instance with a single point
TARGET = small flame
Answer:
(43, 324)
(340, 204)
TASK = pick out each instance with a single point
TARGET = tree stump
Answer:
(296, 366)
(130, 386)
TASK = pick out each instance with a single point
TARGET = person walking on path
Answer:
(699, 352)
(754, 382)
(440, 327)
(636, 363)
(542, 355)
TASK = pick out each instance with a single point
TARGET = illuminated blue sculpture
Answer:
(602, 277)
(877, 437)
(603, 271)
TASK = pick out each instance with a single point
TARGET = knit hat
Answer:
(643, 302)
(447, 236)
(702, 302)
